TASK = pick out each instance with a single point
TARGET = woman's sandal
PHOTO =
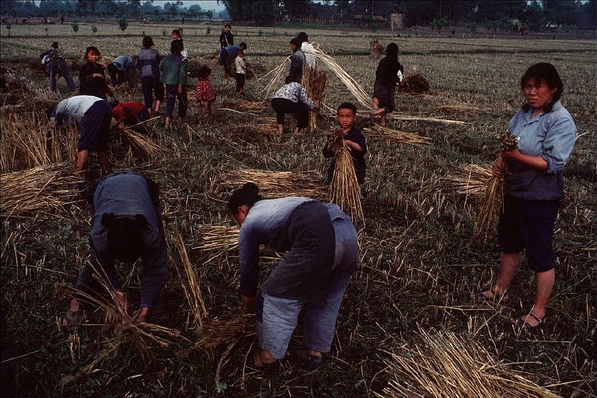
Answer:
(524, 323)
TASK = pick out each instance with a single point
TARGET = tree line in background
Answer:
(536, 14)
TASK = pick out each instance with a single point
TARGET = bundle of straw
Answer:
(446, 365)
(38, 190)
(143, 144)
(402, 137)
(279, 183)
(314, 81)
(414, 83)
(344, 189)
(216, 332)
(218, 239)
(472, 182)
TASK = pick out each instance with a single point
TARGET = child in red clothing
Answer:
(129, 113)
(206, 95)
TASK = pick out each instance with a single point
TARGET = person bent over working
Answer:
(322, 251)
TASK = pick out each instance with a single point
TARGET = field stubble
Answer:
(419, 262)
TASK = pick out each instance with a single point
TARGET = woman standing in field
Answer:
(92, 79)
(386, 78)
(534, 186)
(174, 75)
(312, 277)
(148, 63)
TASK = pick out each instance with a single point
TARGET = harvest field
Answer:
(407, 326)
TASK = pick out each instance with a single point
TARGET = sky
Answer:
(204, 4)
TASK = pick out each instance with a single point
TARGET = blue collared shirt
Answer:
(548, 135)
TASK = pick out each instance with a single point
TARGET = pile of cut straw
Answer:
(141, 142)
(217, 238)
(414, 83)
(402, 137)
(314, 81)
(38, 190)
(344, 189)
(276, 184)
(446, 365)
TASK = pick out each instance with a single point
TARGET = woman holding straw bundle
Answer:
(312, 277)
(534, 186)
(386, 78)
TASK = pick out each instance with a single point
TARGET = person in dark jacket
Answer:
(226, 38)
(321, 255)
(92, 80)
(386, 78)
(126, 225)
(297, 61)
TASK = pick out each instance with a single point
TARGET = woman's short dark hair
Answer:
(177, 33)
(148, 42)
(303, 37)
(247, 195)
(243, 45)
(176, 46)
(227, 26)
(55, 44)
(92, 49)
(543, 72)
(296, 42)
(392, 50)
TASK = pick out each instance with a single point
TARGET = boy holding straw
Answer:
(351, 136)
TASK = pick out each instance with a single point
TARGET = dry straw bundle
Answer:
(142, 143)
(218, 239)
(446, 366)
(414, 83)
(38, 190)
(314, 81)
(402, 137)
(491, 206)
(278, 184)
(344, 189)
(472, 181)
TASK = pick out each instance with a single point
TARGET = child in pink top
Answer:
(206, 95)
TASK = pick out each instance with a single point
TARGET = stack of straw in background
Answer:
(446, 365)
(344, 189)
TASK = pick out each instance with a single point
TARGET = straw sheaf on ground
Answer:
(419, 259)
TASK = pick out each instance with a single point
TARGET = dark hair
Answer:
(125, 240)
(543, 72)
(148, 42)
(302, 37)
(90, 49)
(392, 51)
(55, 44)
(243, 45)
(227, 26)
(204, 71)
(177, 33)
(247, 195)
(289, 79)
(176, 46)
(296, 42)
(347, 105)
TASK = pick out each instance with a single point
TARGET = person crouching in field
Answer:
(148, 63)
(292, 98)
(386, 78)
(321, 248)
(206, 95)
(93, 117)
(55, 66)
(534, 182)
(353, 137)
(122, 70)
(173, 71)
(126, 225)
(92, 80)
(129, 113)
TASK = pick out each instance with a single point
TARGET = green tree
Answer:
(123, 23)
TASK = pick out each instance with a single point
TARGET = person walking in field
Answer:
(533, 173)
(206, 95)
(386, 78)
(321, 248)
(353, 137)
(173, 71)
(55, 66)
(292, 98)
(148, 64)
(93, 116)
(226, 37)
(126, 225)
(92, 79)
